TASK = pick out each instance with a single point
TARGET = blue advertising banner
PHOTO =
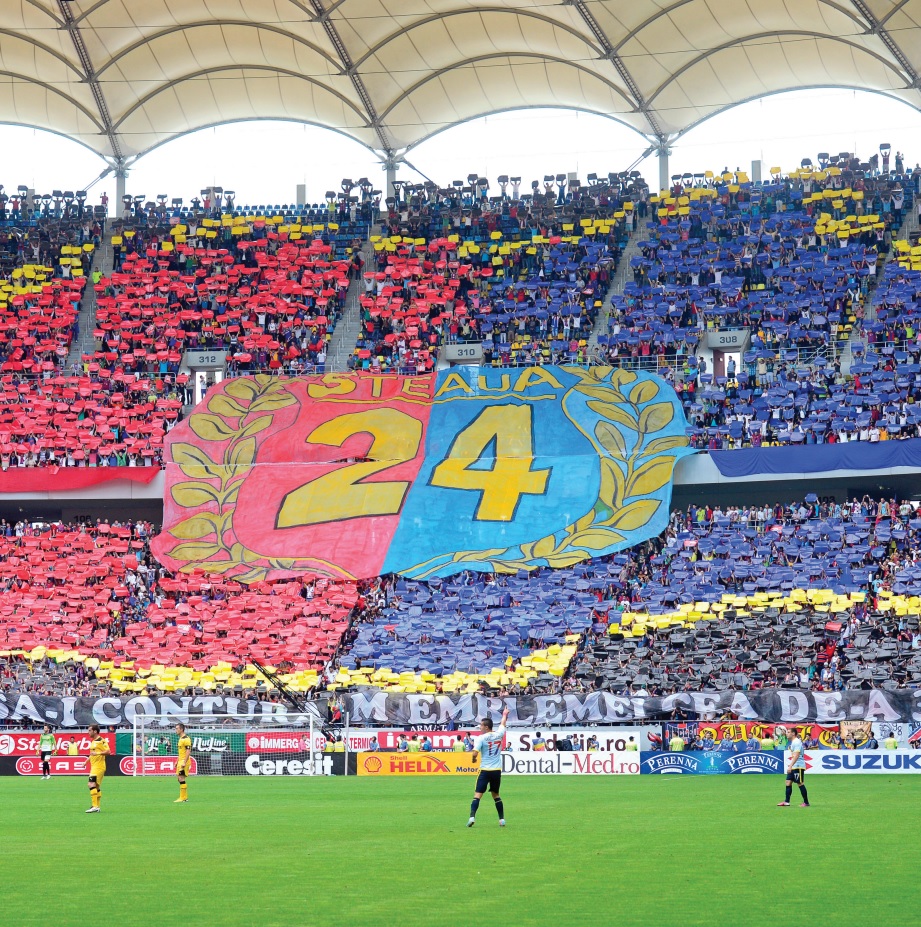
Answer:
(712, 762)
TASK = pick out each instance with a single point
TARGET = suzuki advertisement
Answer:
(880, 762)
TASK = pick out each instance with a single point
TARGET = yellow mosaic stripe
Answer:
(130, 679)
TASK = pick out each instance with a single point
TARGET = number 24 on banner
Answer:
(501, 477)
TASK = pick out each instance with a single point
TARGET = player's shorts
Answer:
(97, 778)
(796, 775)
(46, 755)
(488, 781)
(182, 769)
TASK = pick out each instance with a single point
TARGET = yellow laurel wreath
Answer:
(235, 416)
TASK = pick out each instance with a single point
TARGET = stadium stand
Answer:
(764, 593)
(807, 594)
(269, 305)
(526, 277)
(104, 419)
(769, 259)
(87, 608)
(821, 595)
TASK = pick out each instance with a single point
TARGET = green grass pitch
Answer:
(654, 851)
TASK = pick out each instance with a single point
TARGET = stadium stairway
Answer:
(621, 277)
(342, 344)
(85, 343)
(858, 337)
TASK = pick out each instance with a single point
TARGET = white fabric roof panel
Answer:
(123, 76)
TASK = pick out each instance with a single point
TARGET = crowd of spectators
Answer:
(821, 595)
(801, 280)
(524, 276)
(265, 288)
(85, 609)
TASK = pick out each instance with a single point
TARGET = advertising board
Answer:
(878, 762)
(415, 764)
(712, 763)
(25, 743)
(563, 763)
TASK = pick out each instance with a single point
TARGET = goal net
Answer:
(234, 746)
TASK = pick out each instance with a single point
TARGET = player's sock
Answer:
(789, 792)
(94, 797)
(500, 810)
(802, 791)
(46, 768)
(473, 807)
(183, 791)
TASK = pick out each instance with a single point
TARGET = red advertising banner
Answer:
(154, 766)
(58, 479)
(26, 743)
(60, 766)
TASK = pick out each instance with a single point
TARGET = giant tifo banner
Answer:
(355, 475)
(790, 706)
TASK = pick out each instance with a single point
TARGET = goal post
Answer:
(234, 746)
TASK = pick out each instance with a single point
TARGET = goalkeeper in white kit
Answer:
(489, 748)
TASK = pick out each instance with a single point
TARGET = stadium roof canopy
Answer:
(123, 76)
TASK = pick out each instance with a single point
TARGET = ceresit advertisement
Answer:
(416, 764)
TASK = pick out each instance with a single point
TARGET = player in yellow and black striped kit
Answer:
(99, 750)
(184, 746)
